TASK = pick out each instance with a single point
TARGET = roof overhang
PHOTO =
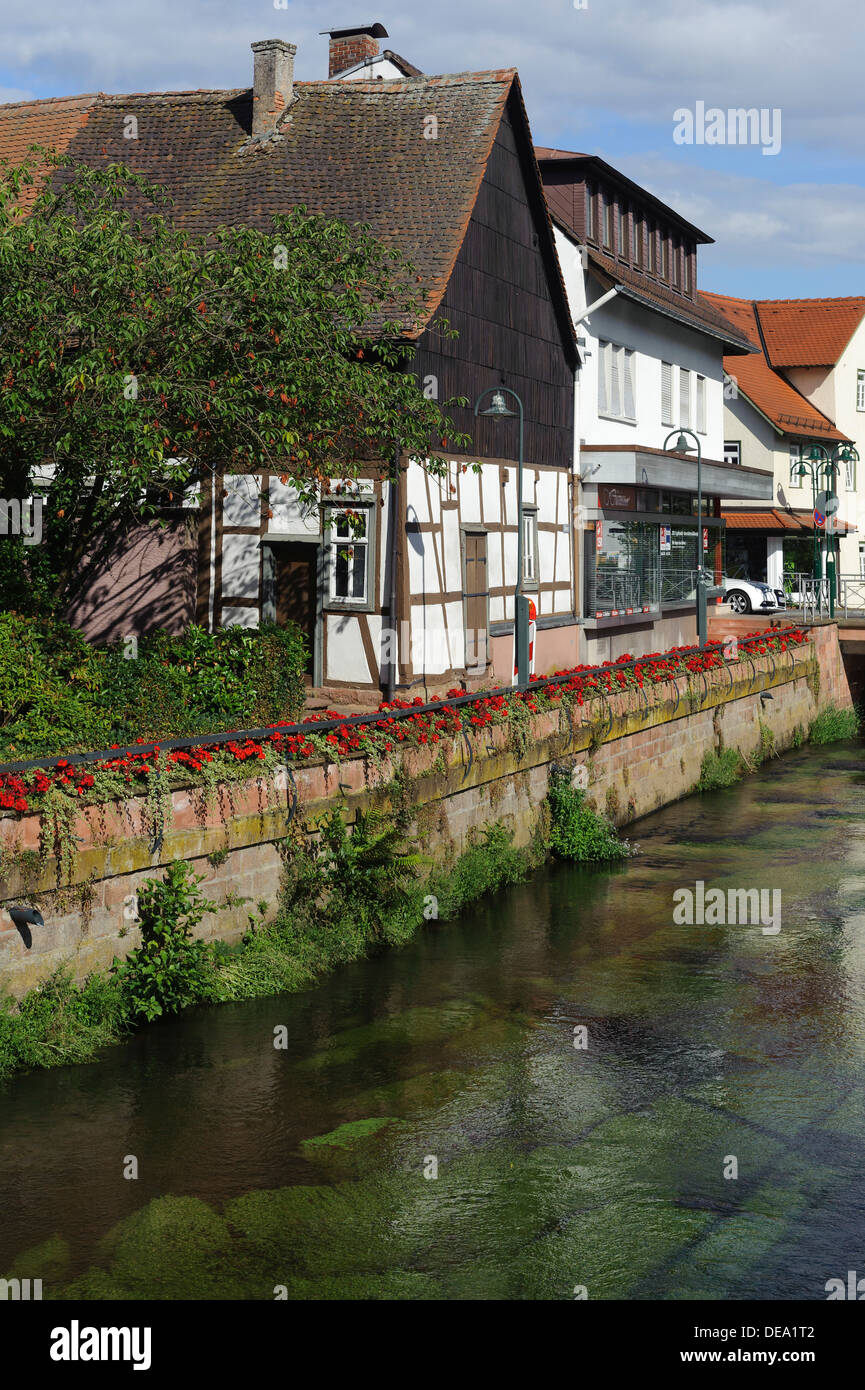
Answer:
(732, 347)
(645, 467)
(780, 519)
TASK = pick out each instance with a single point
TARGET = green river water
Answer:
(303, 1169)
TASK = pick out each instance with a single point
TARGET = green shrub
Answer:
(170, 969)
(59, 1023)
(833, 724)
(50, 684)
(576, 831)
(58, 694)
(489, 863)
(720, 769)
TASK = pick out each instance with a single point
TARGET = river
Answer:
(430, 1130)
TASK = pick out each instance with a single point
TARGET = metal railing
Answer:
(851, 594)
(813, 596)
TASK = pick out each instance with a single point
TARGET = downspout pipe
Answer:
(598, 304)
(393, 541)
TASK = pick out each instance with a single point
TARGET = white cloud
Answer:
(594, 79)
(758, 222)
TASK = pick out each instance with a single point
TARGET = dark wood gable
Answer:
(505, 299)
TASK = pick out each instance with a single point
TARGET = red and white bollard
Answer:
(533, 614)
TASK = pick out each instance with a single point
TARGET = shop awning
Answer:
(778, 519)
(646, 467)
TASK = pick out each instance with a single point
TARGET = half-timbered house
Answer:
(444, 169)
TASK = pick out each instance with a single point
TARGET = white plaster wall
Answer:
(291, 516)
(654, 339)
(852, 422)
(346, 657)
(242, 504)
(240, 565)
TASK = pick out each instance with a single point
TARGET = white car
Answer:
(752, 596)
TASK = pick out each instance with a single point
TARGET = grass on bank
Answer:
(343, 897)
(833, 724)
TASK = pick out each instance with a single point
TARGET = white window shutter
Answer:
(603, 368)
(666, 393)
(615, 380)
(684, 399)
(701, 404)
(629, 384)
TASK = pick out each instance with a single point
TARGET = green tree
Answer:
(138, 358)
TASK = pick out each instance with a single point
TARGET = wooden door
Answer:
(297, 589)
(476, 600)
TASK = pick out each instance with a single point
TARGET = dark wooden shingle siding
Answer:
(500, 299)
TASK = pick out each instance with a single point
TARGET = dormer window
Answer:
(622, 230)
(688, 282)
(639, 228)
(591, 230)
(651, 249)
(674, 263)
(606, 222)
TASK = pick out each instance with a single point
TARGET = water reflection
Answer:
(556, 1166)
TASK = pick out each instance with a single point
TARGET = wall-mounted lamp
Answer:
(24, 918)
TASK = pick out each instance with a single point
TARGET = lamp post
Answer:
(498, 410)
(810, 467)
(819, 459)
(683, 447)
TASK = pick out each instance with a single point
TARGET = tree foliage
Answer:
(139, 357)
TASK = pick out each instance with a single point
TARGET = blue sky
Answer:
(605, 78)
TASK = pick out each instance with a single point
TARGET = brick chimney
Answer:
(272, 83)
(351, 46)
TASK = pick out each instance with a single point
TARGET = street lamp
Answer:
(810, 467)
(820, 460)
(683, 447)
(498, 409)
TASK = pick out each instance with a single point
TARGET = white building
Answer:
(803, 388)
(652, 350)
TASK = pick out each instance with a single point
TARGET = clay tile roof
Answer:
(349, 150)
(768, 390)
(778, 519)
(808, 332)
(51, 122)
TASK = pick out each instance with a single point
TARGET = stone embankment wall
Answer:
(640, 750)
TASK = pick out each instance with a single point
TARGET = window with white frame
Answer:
(350, 556)
(850, 474)
(795, 460)
(684, 399)
(667, 394)
(615, 381)
(530, 548)
(860, 390)
(733, 451)
(701, 404)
